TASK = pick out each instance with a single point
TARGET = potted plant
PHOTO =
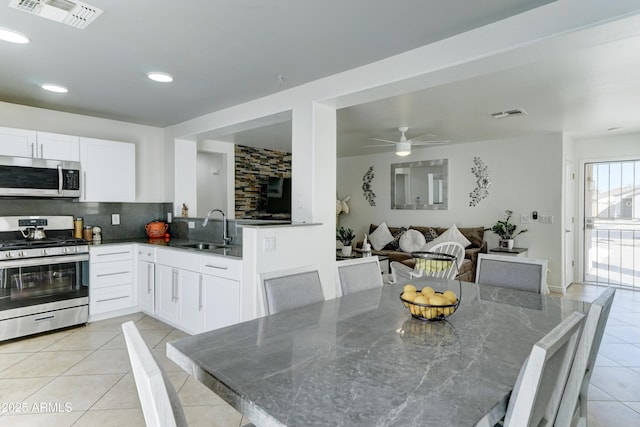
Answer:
(346, 236)
(506, 230)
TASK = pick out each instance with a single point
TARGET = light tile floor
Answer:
(614, 393)
(82, 376)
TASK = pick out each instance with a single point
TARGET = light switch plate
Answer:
(525, 219)
(192, 224)
(546, 219)
(270, 244)
(115, 219)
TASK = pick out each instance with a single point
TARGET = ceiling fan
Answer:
(403, 146)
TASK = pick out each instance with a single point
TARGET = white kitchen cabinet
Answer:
(108, 171)
(196, 292)
(111, 281)
(17, 142)
(177, 297)
(166, 307)
(40, 145)
(189, 297)
(57, 146)
(220, 302)
(146, 278)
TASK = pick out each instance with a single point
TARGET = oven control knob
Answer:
(65, 250)
(8, 255)
(22, 253)
(44, 252)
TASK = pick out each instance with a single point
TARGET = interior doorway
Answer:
(612, 223)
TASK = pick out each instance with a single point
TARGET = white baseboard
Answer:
(109, 315)
(556, 289)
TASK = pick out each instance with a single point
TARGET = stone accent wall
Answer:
(253, 168)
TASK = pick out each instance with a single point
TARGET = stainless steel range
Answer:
(44, 280)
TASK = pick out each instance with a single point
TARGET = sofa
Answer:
(468, 268)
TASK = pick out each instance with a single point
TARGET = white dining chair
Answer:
(401, 271)
(161, 406)
(538, 390)
(292, 288)
(573, 407)
(526, 274)
(358, 274)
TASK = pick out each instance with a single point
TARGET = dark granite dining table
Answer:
(362, 360)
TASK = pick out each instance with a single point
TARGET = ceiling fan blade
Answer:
(375, 146)
(430, 135)
(384, 140)
(441, 142)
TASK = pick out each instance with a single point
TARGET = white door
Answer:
(59, 147)
(612, 223)
(189, 300)
(146, 282)
(569, 222)
(166, 307)
(17, 142)
(108, 171)
(221, 302)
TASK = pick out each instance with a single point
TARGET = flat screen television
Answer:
(279, 195)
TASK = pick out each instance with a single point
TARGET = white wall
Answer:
(185, 182)
(150, 154)
(295, 246)
(526, 175)
(211, 178)
(227, 151)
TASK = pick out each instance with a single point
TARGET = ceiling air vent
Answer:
(508, 113)
(73, 13)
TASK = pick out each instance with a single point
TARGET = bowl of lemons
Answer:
(428, 304)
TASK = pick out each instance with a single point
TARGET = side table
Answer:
(382, 260)
(521, 252)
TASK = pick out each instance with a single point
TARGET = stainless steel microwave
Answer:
(24, 176)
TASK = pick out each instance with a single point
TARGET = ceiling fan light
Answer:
(403, 148)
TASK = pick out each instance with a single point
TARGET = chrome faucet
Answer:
(225, 236)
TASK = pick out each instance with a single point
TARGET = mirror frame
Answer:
(439, 166)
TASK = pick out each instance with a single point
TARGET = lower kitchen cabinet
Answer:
(166, 307)
(220, 302)
(146, 286)
(111, 280)
(196, 293)
(178, 296)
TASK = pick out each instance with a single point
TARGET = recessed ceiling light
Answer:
(54, 88)
(13, 36)
(160, 77)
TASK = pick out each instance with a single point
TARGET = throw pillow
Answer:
(451, 235)
(428, 232)
(380, 237)
(397, 234)
(412, 241)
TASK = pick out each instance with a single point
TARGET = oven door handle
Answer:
(29, 262)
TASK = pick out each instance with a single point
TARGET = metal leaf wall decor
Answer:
(481, 171)
(366, 186)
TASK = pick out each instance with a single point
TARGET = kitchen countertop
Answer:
(233, 251)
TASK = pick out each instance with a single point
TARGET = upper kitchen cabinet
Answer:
(58, 147)
(17, 142)
(108, 171)
(39, 145)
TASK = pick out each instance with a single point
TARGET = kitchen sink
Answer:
(205, 246)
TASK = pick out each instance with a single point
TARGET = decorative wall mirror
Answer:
(420, 185)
